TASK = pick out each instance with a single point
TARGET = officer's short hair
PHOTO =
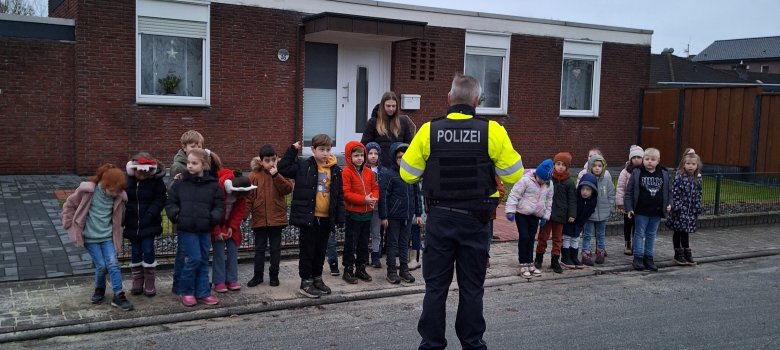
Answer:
(464, 89)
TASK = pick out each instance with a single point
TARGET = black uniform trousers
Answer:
(454, 241)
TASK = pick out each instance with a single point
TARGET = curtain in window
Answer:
(577, 84)
(487, 70)
(169, 55)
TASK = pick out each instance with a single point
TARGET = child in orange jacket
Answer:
(361, 193)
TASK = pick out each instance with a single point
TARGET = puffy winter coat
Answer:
(399, 200)
(564, 204)
(606, 199)
(234, 212)
(267, 203)
(145, 202)
(529, 198)
(304, 171)
(195, 203)
(357, 185)
(406, 134)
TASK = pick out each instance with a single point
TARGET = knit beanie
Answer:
(635, 151)
(544, 170)
(373, 145)
(564, 157)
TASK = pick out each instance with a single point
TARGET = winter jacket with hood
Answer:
(234, 210)
(606, 190)
(76, 209)
(358, 182)
(633, 188)
(267, 202)
(195, 203)
(406, 134)
(179, 165)
(564, 203)
(586, 206)
(529, 198)
(304, 171)
(145, 202)
(399, 200)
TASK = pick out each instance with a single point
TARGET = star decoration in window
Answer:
(171, 53)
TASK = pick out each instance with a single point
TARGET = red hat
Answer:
(564, 157)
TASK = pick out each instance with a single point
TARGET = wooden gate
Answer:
(659, 122)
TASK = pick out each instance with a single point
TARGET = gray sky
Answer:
(675, 23)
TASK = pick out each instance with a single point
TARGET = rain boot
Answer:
(137, 271)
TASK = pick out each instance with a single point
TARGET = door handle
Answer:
(673, 124)
(345, 90)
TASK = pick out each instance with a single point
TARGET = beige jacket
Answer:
(76, 208)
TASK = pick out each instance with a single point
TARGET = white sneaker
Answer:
(534, 271)
(524, 271)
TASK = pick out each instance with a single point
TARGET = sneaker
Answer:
(334, 269)
(534, 271)
(99, 295)
(121, 302)
(320, 284)
(234, 286)
(525, 272)
(309, 290)
(406, 277)
(600, 255)
(393, 278)
(361, 274)
(587, 258)
(188, 300)
(220, 288)
(210, 300)
(255, 281)
(349, 276)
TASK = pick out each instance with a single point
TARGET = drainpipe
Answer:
(298, 87)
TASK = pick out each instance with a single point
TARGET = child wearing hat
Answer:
(597, 222)
(635, 155)
(529, 205)
(564, 210)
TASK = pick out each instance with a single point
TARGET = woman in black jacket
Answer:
(387, 126)
(143, 221)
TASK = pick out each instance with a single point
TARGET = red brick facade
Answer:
(88, 102)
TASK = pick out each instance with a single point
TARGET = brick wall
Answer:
(252, 93)
(36, 106)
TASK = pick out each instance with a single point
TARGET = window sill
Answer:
(578, 115)
(172, 101)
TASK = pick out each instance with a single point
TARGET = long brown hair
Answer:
(385, 122)
(110, 178)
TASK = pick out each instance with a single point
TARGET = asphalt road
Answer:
(725, 305)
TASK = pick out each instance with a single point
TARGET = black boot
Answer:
(539, 260)
(256, 279)
(638, 264)
(574, 260)
(678, 257)
(688, 256)
(649, 264)
(556, 267)
(274, 279)
(349, 275)
(566, 258)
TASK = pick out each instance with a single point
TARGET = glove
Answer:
(510, 217)
(542, 222)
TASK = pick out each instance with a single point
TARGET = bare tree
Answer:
(23, 7)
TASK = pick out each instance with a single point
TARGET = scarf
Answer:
(560, 176)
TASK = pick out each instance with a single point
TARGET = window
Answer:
(580, 79)
(487, 60)
(765, 69)
(172, 52)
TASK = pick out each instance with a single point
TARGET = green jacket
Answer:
(564, 203)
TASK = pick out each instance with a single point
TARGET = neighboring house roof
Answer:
(670, 68)
(741, 49)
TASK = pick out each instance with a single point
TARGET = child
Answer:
(195, 205)
(531, 198)
(226, 236)
(647, 200)
(361, 193)
(146, 195)
(595, 151)
(635, 156)
(189, 140)
(597, 223)
(399, 205)
(686, 206)
(564, 210)
(92, 215)
(587, 199)
(377, 231)
(317, 207)
(269, 213)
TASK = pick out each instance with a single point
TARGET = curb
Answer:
(333, 299)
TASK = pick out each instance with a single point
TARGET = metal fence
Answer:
(722, 194)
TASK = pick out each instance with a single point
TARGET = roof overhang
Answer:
(327, 26)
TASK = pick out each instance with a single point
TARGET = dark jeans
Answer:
(263, 237)
(312, 243)
(142, 250)
(398, 232)
(628, 227)
(356, 243)
(526, 229)
(453, 242)
(680, 239)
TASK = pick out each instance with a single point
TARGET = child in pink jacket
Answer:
(530, 203)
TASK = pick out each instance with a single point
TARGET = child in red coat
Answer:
(226, 237)
(361, 193)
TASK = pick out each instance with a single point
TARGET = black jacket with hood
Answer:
(145, 202)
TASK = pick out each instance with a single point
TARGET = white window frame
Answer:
(491, 44)
(187, 10)
(583, 50)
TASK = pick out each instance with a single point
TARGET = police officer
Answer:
(457, 158)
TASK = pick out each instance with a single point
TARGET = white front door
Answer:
(363, 76)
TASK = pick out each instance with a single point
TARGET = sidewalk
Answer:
(60, 306)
